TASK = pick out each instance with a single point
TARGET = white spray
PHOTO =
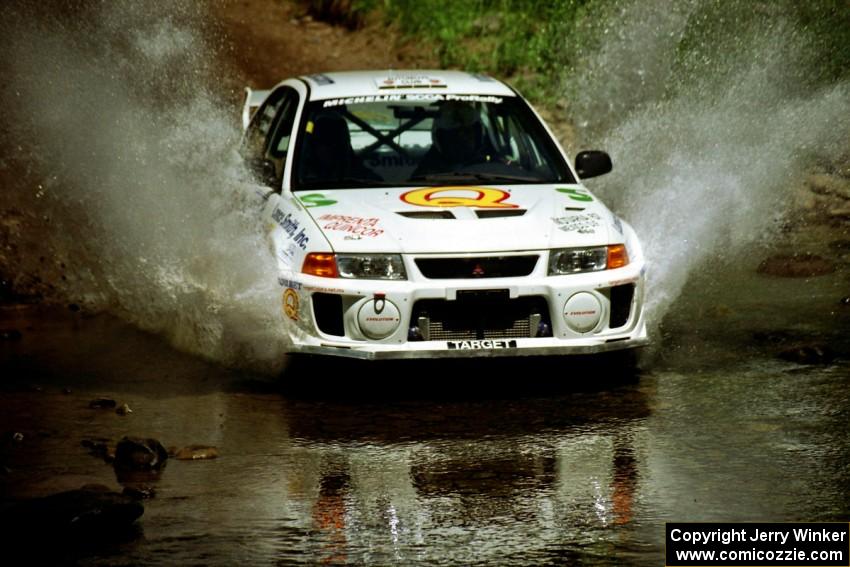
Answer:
(137, 190)
(704, 163)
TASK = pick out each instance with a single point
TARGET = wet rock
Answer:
(100, 447)
(66, 391)
(92, 512)
(17, 437)
(10, 335)
(123, 409)
(845, 301)
(139, 492)
(102, 403)
(808, 354)
(136, 453)
(796, 266)
(196, 453)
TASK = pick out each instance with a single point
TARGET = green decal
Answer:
(576, 194)
(316, 200)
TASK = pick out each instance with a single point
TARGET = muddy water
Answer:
(517, 463)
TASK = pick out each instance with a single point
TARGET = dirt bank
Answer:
(267, 41)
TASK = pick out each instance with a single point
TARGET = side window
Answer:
(281, 132)
(282, 126)
(254, 143)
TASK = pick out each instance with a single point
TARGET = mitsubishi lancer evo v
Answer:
(429, 214)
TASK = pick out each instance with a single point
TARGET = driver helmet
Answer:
(457, 130)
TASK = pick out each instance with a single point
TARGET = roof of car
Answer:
(365, 83)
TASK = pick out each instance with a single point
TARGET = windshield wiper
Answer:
(476, 176)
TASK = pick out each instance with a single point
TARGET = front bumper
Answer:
(524, 347)
(309, 334)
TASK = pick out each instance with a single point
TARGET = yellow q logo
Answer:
(484, 197)
(290, 303)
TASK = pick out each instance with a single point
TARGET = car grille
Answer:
(482, 267)
(481, 315)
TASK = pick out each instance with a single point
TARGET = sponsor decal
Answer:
(290, 303)
(358, 226)
(459, 196)
(288, 254)
(283, 282)
(316, 200)
(409, 81)
(576, 194)
(481, 344)
(326, 289)
(290, 226)
(321, 79)
(428, 97)
(583, 224)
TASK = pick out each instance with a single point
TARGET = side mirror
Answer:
(592, 163)
(264, 170)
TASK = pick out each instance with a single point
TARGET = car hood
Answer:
(461, 219)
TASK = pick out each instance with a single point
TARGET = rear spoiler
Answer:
(253, 100)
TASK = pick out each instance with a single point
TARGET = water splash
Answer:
(131, 197)
(711, 125)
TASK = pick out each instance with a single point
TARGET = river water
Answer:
(525, 462)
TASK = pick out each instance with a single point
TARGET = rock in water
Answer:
(808, 354)
(89, 514)
(196, 452)
(101, 447)
(136, 453)
(102, 403)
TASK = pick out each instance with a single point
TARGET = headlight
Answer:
(577, 260)
(371, 266)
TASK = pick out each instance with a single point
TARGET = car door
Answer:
(266, 149)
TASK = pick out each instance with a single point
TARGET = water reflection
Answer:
(466, 480)
(507, 462)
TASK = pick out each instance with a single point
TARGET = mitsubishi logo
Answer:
(478, 271)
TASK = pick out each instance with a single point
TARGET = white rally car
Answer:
(433, 214)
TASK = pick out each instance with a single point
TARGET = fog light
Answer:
(582, 312)
(378, 318)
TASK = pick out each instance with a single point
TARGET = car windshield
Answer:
(416, 140)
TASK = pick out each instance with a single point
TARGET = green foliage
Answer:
(521, 39)
(538, 44)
